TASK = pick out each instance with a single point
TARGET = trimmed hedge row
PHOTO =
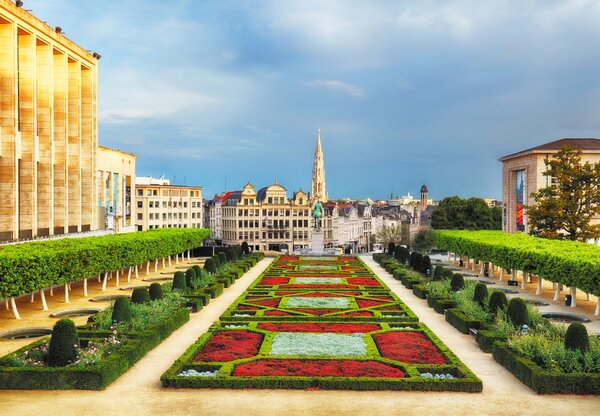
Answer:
(571, 263)
(27, 267)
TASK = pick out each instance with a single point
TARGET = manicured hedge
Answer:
(573, 264)
(460, 321)
(27, 267)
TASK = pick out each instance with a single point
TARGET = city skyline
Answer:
(404, 94)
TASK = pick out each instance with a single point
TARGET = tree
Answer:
(423, 241)
(564, 209)
(389, 234)
(454, 213)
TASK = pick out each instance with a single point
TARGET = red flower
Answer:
(230, 345)
(366, 303)
(272, 303)
(363, 281)
(271, 281)
(316, 368)
(408, 347)
(276, 313)
(343, 328)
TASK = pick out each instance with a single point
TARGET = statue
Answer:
(317, 214)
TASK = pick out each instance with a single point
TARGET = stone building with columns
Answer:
(48, 129)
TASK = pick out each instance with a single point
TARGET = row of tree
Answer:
(455, 213)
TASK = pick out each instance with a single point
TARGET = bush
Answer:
(391, 248)
(198, 270)
(140, 295)
(230, 255)
(121, 310)
(425, 264)
(517, 312)
(179, 281)
(237, 251)
(497, 302)
(217, 261)
(457, 283)
(209, 266)
(438, 273)
(448, 273)
(577, 337)
(245, 249)
(222, 258)
(190, 276)
(156, 291)
(481, 293)
(64, 344)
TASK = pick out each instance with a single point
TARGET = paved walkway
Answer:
(138, 392)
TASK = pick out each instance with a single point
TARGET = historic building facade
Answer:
(48, 129)
(522, 175)
(162, 205)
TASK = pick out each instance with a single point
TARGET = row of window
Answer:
(151, 227)
(169, 192)
(170, 216)
(272, 212)
(169, 204)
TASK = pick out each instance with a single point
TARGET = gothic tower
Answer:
(318, 192)
(424, 196)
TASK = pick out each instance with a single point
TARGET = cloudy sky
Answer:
(223, 92)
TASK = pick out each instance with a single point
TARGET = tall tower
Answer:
(424, 192)
(318, 192)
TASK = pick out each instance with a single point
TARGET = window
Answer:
(140, 192)
(140, 204)
(270, 200)
(140, 217)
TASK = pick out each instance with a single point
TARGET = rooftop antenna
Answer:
(184, 178)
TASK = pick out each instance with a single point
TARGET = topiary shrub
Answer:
(425, 264)
(179, 282)
(245, 248)
(121, 310)
(481, 293)
(438, 272)
(457, 283)
(230, 255)
(190, 276)
(198, 270)
(577, 337)
(222, 258)
(237, 251)
(391, 248)
(155, 291)
(140, 295)
(217, 261)
(517, 312)
(209, 266)
(497, 302)
(64, 344)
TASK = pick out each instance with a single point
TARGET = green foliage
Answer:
(391, 248)
(577, 337)
(64, 344)
(198, 270)
(140, 295)
(570, 263)
(121, 310)
(481, 293)
(245, 248)
(179, 281)
(222, 258)
(209, 266)
(448, 273)
(423, 241)
(425, 264)
(438, 273)
(190, 276)
(237, 251)
(454, 213)
(230, 255)
(457, 283)
(156, 291)
(565, 208)
(217, 261)
(498, 301)
(517, 312)
(27, 267)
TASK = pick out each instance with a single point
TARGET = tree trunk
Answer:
(573, 297)
(538, 290)
(155, 265)
(85, 291)
(129, 274)
(66, 293)
(556, 292)
(15, 311)
(104, 281)
(32, 298)
(163, 262)
(501, 274)
(117, 279)
(148, 267)
(524, 280)
(136, 271)
(43, 299)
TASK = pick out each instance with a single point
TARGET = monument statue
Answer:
(317, 214)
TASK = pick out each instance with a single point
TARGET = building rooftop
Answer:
(584, 144)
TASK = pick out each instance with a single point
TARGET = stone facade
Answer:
(48, 129)
(162, 205)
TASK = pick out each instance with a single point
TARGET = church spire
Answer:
(318, 192)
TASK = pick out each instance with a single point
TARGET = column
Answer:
(60, 159)
(88, 150)
(74, 145)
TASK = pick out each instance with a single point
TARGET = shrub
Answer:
(517, 312)
(222, 258)
(577, 337)
(245, 248)
(448, 273)
(457, 283)
(481, 293)
(391, 248)
(230, 255)
(209, 266)
(217, 261)
(140, 295)
(64, 344)
(425, 264)
(237, 251)
(121, 310)
(438, 273)
(179, 281)
(155, 291)
(417, 261)
(198, 270)
(497, 302)
(190, 276)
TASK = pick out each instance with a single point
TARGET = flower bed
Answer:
(282, 334)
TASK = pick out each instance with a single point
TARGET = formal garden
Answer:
(547, 357)
(93, 355)
(320, 322)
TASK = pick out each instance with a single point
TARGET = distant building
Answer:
(318, 191)
(522, 175)
(162, 205)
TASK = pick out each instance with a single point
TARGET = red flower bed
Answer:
(362, 281)
(357, 313)
(230, 345)
(272, 303)
(313, 286)
(408, 347)
(316, 368)
(246, 308)
(276, 313)
(318, 327)
(271, 281)
(366, 303)
(319, 311)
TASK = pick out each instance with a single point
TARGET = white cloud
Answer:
(333, 84)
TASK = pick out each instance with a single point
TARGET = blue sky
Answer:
(405, 92)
